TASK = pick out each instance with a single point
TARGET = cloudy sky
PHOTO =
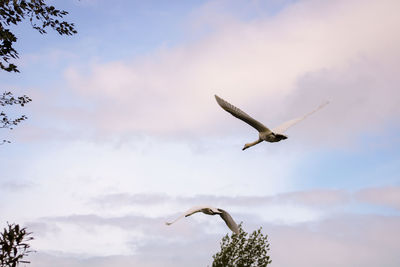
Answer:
(124, 132)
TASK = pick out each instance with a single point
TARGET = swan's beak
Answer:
(245, 147)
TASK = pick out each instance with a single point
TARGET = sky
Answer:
(124, 132)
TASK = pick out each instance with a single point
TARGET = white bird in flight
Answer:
(211, 211)
(265, 134)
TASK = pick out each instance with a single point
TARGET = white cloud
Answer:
(322, 197)
(308, 225)
(344, 240)
(70, 175)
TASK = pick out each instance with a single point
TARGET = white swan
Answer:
(211, 211)
(265, 134)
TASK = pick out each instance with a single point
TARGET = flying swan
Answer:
(265, 134)
(211, 211)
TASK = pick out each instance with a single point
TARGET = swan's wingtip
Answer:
(326, 103)
(219, 100)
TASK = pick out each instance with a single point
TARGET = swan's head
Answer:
(279, 137)
(283, 137)
(212, 211)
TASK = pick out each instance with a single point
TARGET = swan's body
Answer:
(211, 211)
(265, 134)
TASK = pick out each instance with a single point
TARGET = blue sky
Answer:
(124, 132)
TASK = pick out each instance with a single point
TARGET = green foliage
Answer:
(8, 99)
(41, 16)
(14, 245)
(243, 250)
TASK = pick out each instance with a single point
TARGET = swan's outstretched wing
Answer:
(286, 125)
(236, 112)
(229, 221)
(189, 212)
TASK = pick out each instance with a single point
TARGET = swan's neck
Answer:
(246, 146)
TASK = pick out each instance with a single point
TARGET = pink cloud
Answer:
(275, 69)
(385, 196)
(342, 241)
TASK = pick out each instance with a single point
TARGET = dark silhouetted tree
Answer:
(14, 245)
(41, 17)
(243, 250)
